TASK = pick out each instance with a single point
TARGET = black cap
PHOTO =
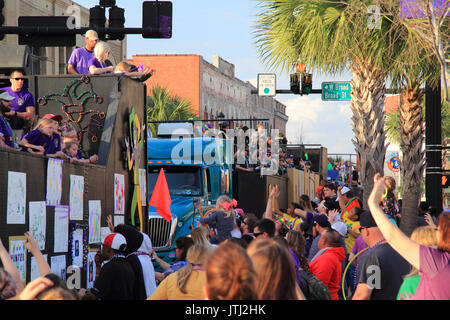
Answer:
(322, 220)
(366, 220)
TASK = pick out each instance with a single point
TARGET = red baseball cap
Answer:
(115, 241)
(53, 117)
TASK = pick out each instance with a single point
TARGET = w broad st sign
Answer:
(267, 84)
(336, 91)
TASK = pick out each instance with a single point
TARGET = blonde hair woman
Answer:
(223, 219)
(187, 283)
(41, 140)
(425, 236)
(200, 236)
(97, 64)
(275, 271)
(230, 274)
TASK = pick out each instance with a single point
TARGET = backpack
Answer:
(313, 288)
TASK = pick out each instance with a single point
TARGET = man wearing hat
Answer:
(6, 133)
(114, 280)
(22, 107)
(349, 204)
(78, 61)
(381, 269)
(319, 225)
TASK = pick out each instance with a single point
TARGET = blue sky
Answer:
(225, 28)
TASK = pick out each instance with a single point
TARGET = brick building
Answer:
(211, 88)
(52, 60)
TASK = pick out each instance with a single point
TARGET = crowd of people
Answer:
(327, 248)
(21, 128)
(252, 157)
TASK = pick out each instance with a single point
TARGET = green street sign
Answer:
(336, 91)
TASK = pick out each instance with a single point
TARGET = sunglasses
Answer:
(19, 79)
(257, 234)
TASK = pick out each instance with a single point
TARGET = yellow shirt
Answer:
(353, 226)
(291, 222)
(168, 289)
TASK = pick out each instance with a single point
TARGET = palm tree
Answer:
(330, 36)
(161, 106)
(404, 128)
(411, 68)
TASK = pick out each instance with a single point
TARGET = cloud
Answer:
(319, 122)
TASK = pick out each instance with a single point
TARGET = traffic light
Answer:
(295, 82)
(445, 181)
(306, 83)
(97, 19)
(157, 19)
(116, 20)
(2, 18)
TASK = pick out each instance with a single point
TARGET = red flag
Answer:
(161, 197)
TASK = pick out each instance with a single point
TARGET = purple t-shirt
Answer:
(23, 99)
(94, 62)
(358, 246)
(79, 60)
(6, 130)
(435, 275)
(50, 144)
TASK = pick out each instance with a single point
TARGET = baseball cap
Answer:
(340, 227)
(344, 190)
(53, 117)
(366, 220)
(115, 241)
(5, 96)
(91, 34)
(322, 220)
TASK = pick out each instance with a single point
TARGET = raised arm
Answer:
(33, 247)
(270, 203)
(9, 266)
(407, 248)
(301, 213)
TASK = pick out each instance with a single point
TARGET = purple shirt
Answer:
(358, 246)
(6, 130)
(79, 60)
(23, 99)
(94, 62)
(435, 271)
(50, 144)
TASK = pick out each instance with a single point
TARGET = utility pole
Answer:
(433, 146)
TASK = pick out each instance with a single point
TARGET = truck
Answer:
(196, 168)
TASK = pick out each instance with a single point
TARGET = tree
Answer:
(411, 67)
(427, 19)
(161, 106)
(330, 36)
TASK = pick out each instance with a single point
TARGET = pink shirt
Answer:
(435, 271)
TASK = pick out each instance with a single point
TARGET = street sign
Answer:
(267, 84)
(336, 91)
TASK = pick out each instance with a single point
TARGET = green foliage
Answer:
(335, 159)
(326, 35)
(392, 127)
(392, 123)
(161, 106)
